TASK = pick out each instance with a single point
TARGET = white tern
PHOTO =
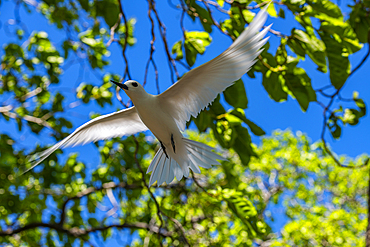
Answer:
(166, 114)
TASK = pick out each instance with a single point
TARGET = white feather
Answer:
(117, 124)
(164, 173)
(154, 161)
(157, 167)
(177, 170)
(203, 149)
(193, 164)
(199, 159)
(166, 169)
(200, 86)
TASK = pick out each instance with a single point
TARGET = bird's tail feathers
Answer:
(36, 159)
(163, 169)
(166, 169)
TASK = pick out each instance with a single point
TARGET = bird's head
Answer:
(131, 87)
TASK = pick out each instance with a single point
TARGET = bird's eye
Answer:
(134, 84)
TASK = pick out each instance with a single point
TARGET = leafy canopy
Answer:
(286, 179)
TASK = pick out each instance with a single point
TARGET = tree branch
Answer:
(215, 22)
(90, 190)
(113, 29)
(162, 30)
(202, 188)
(80, 232)
(151, 51)
(327, 108)
(159, 211)
(127, 71)
(365, 57)
(40, 121)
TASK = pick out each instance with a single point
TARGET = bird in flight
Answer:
(166, 114)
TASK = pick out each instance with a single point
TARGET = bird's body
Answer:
(165, 115)
(160, 123)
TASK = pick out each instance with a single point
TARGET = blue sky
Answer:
(262, 110)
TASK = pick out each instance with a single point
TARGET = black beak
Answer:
(123, 86)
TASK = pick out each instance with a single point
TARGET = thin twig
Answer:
(113, 29)
(324, 88)
(217, 6)
(327, 108)
(241, 7)
(31, 93)
(215, 22)
(364, 59)
(151, 51)
(183, 8)
(5, 110)
(162, 30)
(127, 70)
(184, 64)
(201, 187)
(118, 96)
(80, 232)
(179, 226)
(90, 190)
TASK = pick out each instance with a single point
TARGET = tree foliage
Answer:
(320, 203)
(292, 181)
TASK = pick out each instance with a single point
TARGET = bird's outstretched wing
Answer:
(200, 86)
(121, 123)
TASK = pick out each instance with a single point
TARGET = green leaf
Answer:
(344, 34)
(310, 45)
(108, 9)
(236, 96)
(359, 103)
(253, 127)
(131, 40)
(177, 50)
(242, 144)
(93, 222)
(248, 15)
(243, 1)
(19, 123)
(224, 133)
(300, 86)
(221, 2)
(334, 128)
(84, 4)
(197, 11)
(281, 13)
(199, 40)
(360, 22)
(326, 7)
(195, 42)
(339, 65)
(273, 83)
(281, 55)
(271, 10)
(190, 53)
(237, 20)
(296, 47)
(245, 211)
(203, 121)
(216, 108)
(351, 116)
